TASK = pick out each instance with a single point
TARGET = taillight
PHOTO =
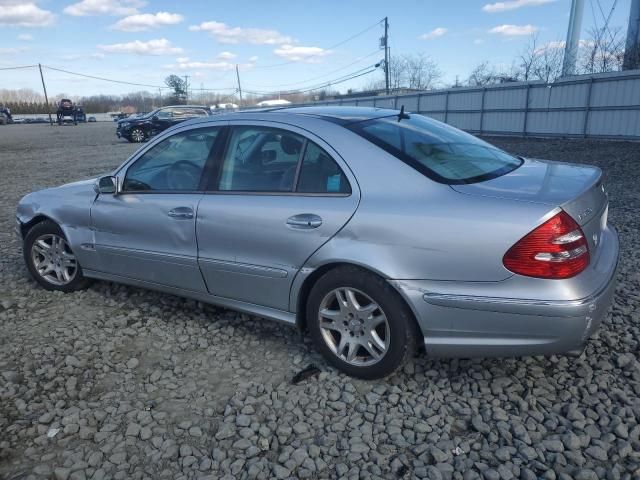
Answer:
(556, 249)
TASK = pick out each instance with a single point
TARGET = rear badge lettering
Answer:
(585, 214)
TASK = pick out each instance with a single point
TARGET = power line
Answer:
(376, 52)
(18, 68)
(103, 78)
(342, 42)
(356, 74)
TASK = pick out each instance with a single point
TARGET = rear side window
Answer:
(319, 173)
(260, 159)
(441, 152)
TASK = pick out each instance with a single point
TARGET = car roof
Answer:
(183, 106)
(339, 114)
(335, 114)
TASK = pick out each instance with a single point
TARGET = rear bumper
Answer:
(464, 324)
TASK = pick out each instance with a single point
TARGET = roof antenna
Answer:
(402, 115)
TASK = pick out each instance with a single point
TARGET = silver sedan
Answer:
(376, 231)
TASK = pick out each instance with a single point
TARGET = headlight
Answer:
(124, 124)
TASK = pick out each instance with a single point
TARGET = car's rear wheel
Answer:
(360, 323)
(137, 135)
(50, 259)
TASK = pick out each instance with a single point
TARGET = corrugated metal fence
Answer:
(602, 105)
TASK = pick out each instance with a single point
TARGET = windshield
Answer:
(441, 152)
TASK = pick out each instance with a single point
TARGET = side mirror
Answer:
(154, 118)
(107, 184)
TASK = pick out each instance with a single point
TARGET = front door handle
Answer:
(181, 212)
(304, 221)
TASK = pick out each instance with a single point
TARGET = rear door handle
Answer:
(304, 221)
(181, 212)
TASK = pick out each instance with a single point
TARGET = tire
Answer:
(44, 233)
(137, 135)
(399, 334)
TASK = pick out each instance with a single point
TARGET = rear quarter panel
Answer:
(410, 227)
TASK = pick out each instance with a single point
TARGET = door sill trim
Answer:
(269, 313)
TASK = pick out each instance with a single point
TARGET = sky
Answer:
(277, 45)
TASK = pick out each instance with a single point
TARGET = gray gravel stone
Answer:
(138, 384)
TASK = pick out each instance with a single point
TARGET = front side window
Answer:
(174, 164)
(439, 151)
(260, 159)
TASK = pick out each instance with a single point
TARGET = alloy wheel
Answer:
(354, 327)
(137, 135)
(53, 260)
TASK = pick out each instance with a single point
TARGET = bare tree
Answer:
(417, 71)
(528, 59)
(603, 51)
(548, 65)
(483, 74)
(421, 72)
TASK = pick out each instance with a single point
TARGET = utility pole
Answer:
(239, 87)
(573, 38)
(386, 54)
(632, 46)
(46, 98)
(160, 95)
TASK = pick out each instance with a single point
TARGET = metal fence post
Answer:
(526, 111)
(484, 90)
(587, 109)
(446, 106)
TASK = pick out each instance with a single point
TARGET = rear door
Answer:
(279, 194)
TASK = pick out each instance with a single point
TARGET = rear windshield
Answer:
(439, 151)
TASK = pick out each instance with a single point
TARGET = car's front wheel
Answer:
(50, 259)
(137, 135)
(360, 323)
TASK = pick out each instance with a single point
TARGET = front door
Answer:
(147, 231)
(277, 197)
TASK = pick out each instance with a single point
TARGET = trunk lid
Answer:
(577, 189)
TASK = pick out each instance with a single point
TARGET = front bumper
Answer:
(492, 319)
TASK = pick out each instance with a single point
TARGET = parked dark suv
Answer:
(139, 129)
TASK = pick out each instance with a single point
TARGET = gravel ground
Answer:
(145, 385)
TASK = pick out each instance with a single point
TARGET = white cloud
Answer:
(253, 59)
(435, 33)
(226, 55)
(12, 50)
(225, 34)
(559, 45)
(146, 21)
(478, 41)
(514, 30)
(185, 63)
(160, 46)
(83, 56)
(25, 37)
(221, 66)
(104, 7)
(513, 5)
(25, 14)
(302, 54)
